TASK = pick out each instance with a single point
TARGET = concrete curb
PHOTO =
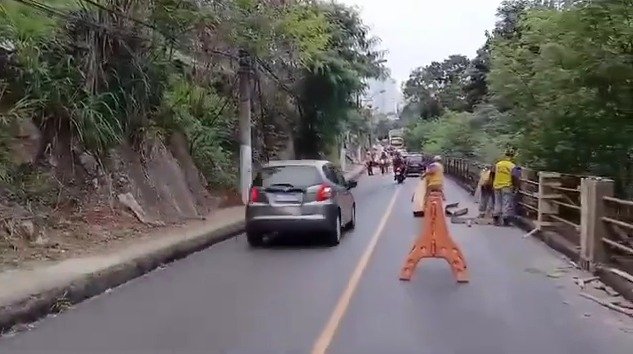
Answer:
(619, 284)
(86, 286)
(552, 239)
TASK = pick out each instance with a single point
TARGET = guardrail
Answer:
(590, 225)
(618, 238)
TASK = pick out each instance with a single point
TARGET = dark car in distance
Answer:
(415, 165)
(294, 196)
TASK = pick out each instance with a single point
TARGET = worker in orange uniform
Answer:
(503, 183)
(434, 175)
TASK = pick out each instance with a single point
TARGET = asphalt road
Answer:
(230, 299)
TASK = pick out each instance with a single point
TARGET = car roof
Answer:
(277, 163)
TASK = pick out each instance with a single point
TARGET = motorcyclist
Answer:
(384, 159)
(398, 162)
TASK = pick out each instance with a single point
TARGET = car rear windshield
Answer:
(416, 159)
(297, 176)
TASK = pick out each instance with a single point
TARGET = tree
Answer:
(565, 82)
(331, 82)
(123, 71)
(437, 86)
(476, 87)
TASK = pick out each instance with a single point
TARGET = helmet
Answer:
(437, 158)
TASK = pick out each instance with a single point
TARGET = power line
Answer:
(52, 11)
(117, 32)
(153, 27)
(135, 20)
(43, 8)
(225, 103)
(66, 16)
(276, 78)
(128, 34)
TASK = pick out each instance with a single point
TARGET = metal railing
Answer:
(555, 201)
(618, 238)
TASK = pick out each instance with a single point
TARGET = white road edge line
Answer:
(325, 339)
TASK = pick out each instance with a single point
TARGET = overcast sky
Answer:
(417, 32)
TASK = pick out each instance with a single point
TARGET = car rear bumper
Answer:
(415, 171)
(315, 218)
(289, 225)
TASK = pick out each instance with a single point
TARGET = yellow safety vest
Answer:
(503, 174)
(436, 178)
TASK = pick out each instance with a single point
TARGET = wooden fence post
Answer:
(592, 228)
(461, 169)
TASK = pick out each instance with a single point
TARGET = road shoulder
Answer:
(29, 294)
(26, 295)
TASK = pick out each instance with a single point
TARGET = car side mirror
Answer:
(352, 184)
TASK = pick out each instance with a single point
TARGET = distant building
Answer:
(384, 96)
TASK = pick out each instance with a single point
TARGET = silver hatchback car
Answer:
(297, 196)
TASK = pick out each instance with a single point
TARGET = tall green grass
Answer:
(105, 81)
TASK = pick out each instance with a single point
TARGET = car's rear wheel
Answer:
(254, 239)
(334, 236)
(352, 223)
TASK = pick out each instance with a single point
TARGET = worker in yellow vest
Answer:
(503, 183)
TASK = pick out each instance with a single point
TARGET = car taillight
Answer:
(324, 193)
(254, 196)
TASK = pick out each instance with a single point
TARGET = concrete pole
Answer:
(592, 228)
(246, 151)
(343, 159)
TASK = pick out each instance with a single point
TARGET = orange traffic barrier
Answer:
(435, 242)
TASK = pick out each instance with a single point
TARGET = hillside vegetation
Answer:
(553, 79)
(110, 102)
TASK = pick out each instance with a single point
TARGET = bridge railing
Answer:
(578, 215)
(618, 236)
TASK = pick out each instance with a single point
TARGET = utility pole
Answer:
(342, 152)
(371, 126)
(246, 151)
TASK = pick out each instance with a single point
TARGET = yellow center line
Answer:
(325, 339)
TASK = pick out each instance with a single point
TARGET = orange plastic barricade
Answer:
(435, 242)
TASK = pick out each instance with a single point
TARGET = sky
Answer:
(417, 32)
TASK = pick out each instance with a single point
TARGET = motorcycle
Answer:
(399, 174)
